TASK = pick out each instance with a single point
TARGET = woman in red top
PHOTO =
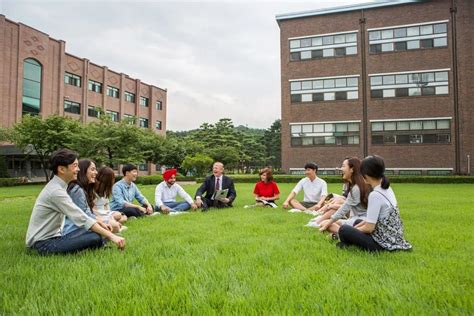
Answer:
(266, 191)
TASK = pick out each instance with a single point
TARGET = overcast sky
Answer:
(216, 58)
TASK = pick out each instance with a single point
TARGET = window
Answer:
(317, 53)
(72, 107)
(143, 122)
(113, 92)
(129, 97)
(318, 97)
(144, 101)
(306, 54)
(92, 111)
(158, 105)
(72, 79)
(327, 89)
(95, 86)
(425, 131)
(158, 125)
(401, 92)
(376, 93)
(351, 50)
(114, 116)
(294, 56)
(401, 38)
(31, 100)
(340, 51)
(341, 95)
(316, 47)
(317, 134)
(143, 167)
(295, 98)
(129, 119)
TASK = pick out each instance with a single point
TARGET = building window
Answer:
(92, 111)
(72, 107)
(401, 38)
(158, 125)
(72, 79)
(325, 133)
(114, 116)
(329, 45)
(422, 131)
(143, 167)
(31, 101)
(95, 86)
(426, 83)
(129, 97)
(158, 105)
(144, 101)
(113, 92)
(130, 119)
(143, 122)
(324, 89)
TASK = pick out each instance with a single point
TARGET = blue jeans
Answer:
(78, 240)
(178, 206)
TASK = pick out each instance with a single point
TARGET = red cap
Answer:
(169, 173)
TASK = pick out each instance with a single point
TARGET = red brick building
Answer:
(391, 78)
(39, 77)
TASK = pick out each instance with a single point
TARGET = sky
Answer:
(217, 59)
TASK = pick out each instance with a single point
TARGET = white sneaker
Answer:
(295, 210)
(246, 206)
(155, 214)
(312, 224)
(177, 213)
(122, 229)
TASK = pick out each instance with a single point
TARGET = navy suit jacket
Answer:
(209, 184)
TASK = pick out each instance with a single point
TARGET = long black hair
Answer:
(83, 182)
(373, 166)
(357, 179)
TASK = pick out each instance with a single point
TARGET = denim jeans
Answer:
(177, 206)
(132, 211)
(78, 240)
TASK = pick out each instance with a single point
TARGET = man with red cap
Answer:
(166, 192)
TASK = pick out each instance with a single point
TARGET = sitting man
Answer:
(124, 192)
(315, 191)
(212, 184)
(54, 204)
(166, 192)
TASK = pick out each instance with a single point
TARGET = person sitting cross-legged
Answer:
(125, 191)
(54, 204)
(166, 193)
(315, 191)
(212, 184)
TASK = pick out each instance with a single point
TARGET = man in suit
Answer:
(217, 181)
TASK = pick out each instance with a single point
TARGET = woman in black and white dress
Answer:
(383, 228)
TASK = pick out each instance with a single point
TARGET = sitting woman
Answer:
(266, 190)
(81, 192)
(355, 206)
(103, 190)
(330, 206)
(383, 227)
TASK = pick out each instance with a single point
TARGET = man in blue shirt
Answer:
(125, 192)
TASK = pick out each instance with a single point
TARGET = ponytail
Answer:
(385, 183)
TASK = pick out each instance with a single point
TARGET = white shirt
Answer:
(313, 190)
(164, 193)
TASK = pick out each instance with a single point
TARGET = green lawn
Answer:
(255, 261)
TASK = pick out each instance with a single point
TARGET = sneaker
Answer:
(155, 214)
(295, 210)
(310, 212)
(177, 213)
(312, 224)
(122, 229)
(131, 218)
(246, 206)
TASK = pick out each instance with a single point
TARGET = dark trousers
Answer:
(207, 203)
(131, 211)
(78, 240)
(350, 235)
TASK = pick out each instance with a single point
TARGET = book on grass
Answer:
(266, 203)
(219, 195)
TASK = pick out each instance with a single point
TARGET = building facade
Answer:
(39, 77)
(392, 78)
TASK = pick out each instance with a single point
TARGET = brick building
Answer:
(38, 77)
(389, 78)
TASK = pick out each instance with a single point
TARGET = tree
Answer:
(198, 164)
(272, 142)
(35, 136)
(3, 168)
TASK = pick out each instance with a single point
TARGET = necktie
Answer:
(218, 186)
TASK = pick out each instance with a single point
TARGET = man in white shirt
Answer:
(315, 191)
(166, 192)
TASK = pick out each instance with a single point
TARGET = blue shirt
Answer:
(122, 193)
(78, 196)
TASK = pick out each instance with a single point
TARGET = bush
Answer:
(155, 179)
(3, 168)
(338, 179)
(9, 182)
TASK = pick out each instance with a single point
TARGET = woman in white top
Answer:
(103, 190)
(383, 227)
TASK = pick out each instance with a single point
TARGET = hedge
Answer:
(9, 182)
(338, 179)
(155, 179)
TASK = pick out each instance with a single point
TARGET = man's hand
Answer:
(194, 206)
(105, 226)
(142, 209)
(225, 200)
(119, 241)
(286, 204)
(164, 209)
(198, 202)
(149, 209)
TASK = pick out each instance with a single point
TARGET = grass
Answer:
(255, 261)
